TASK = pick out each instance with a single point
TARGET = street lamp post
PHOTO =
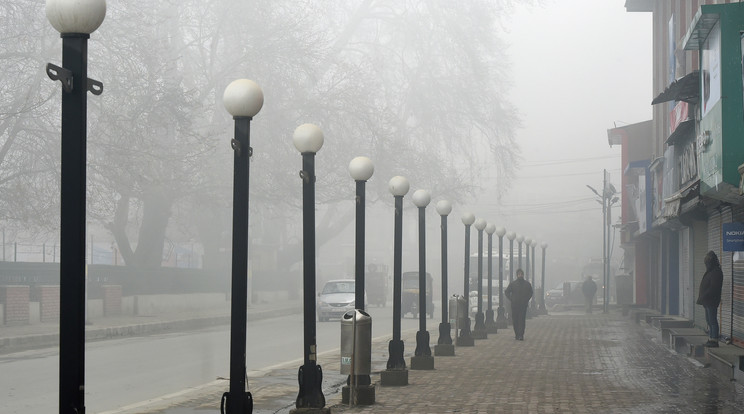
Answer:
(422, 358)
(396, 372)
(465, 338)
(479, 330)
(308, 139)
(520, 239)
(511, 236)
(242, 99)
(490, 322)
(75, 21)
(543, 310)
(530, 276)
(361, 170)
(533, 244)
(527, 242)
(501, 322)
(444, 346)
(607, 199)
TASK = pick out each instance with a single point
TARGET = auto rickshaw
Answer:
(410, 294)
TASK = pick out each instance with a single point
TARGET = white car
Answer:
(335, 299)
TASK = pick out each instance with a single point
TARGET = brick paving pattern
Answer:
(568, 363)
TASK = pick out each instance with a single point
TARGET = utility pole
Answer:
(605, 203)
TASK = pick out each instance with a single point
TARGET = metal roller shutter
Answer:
(737, 327)
(685, 273)
(726, 259)
(700, 248)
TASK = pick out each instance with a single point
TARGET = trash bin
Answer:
(462, 310)
(356, 342)
(453, 312)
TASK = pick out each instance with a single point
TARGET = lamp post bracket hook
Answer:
(95, 87)
(61, 74)
(236, 146)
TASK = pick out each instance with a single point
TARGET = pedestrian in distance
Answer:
(519, 293)
(589, 288)
(709, 296)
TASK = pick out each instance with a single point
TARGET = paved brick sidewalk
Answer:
(568, 363)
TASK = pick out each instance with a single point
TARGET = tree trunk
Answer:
(156, 211)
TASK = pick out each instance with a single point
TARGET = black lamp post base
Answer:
(490, 323)
(422, 344)
(246, 405)
(422, 362)
(479, 330)
(363, 394)
(396, 361)
(465, 339)
(310, 377)
(444, 350)
(501, 321)
(394, 377)
(444, 334)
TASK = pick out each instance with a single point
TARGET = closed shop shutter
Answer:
(685, 273)
(726, 259)
(700, 248)
(737, 333)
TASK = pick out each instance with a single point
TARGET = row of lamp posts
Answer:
(243, 99)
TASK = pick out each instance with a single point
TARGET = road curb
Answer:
(33, 341)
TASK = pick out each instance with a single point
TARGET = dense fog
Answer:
(477, 102)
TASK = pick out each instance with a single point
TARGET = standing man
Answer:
(589, 288)
(710, 296)
(519, 293)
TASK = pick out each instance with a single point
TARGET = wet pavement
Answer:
(568, 363)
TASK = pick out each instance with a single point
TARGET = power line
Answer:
(527, 177)
(571, 160)
(554, 203)
(542, 212)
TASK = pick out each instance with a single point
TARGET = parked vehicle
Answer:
(410, 294)
(565, 293)
(377, 278)
(554, 296)
(335, 299)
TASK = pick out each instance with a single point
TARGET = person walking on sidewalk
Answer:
(710, 296)
(589, 288)
(519, 293)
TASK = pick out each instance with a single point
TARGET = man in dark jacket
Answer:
(589, 288)
(709, 295)
(519, 293)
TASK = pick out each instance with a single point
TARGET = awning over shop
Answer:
(686, 88)
(699, 29)
(673, 203)
(684, 129)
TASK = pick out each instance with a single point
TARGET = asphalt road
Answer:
(127, 371)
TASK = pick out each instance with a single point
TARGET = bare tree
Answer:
(418, 86)
(29, 142)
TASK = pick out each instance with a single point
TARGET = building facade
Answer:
(682, 170)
